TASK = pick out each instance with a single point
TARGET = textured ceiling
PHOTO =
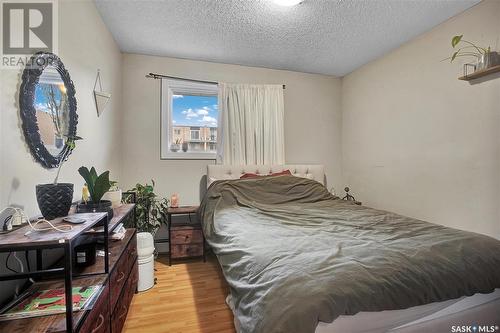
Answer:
(317, 36)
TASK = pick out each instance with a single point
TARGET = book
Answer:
(49, 302)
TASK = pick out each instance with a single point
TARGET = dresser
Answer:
(119, 285)
(111, 308)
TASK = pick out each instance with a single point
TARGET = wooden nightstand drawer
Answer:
(186, 236)
(185, 251)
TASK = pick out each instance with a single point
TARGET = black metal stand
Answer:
(133, 196)
(67, 270)
(68, 286)
(164, 240)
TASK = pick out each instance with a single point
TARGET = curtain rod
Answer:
(161, 76)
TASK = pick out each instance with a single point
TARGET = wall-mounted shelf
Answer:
(480, 73)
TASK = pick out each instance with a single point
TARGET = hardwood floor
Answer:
(189, 297)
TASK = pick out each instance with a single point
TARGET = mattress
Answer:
(293, 256)
(479, 309)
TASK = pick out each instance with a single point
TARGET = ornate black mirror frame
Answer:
(31, 75)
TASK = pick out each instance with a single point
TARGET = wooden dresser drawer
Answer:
(132, 251)
(97, 321)
(133, 280)
(121, 272)
(186, 236)
(186, 250)
(119, 316)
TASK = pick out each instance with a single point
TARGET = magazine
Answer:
(48, 302)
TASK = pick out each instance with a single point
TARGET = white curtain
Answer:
(251, 129)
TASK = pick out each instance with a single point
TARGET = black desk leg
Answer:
(39, 260)
(68, 282)
(106, 245)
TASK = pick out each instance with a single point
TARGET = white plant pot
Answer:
(175, 147)
(115, 197)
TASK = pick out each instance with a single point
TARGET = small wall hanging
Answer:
(101, 98)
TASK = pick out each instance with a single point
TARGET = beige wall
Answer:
(419, 142)
(84, 46)
(312, 121)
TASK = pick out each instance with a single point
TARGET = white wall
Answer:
(312, 121)
(84, 46)
(419, 142)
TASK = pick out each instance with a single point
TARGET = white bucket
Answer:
(145, 249)
(146, 273)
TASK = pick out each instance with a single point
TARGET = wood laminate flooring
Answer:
(189, 297)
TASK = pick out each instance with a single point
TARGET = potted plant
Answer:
(185, 146)
(96, 185)
(485, 58)
(176, 145)
(151, 211)
(114, 194)
(54, 200)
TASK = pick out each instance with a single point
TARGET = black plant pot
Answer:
(54, 200)
(103, 206)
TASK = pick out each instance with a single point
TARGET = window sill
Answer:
(180, 155)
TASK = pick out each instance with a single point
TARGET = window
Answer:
(213, 134)
(189, 120)
(195, 133)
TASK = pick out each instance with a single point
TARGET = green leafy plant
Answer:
(468, 50)
(96, 184)
(69, 145)
(151, 211)
(113, 185)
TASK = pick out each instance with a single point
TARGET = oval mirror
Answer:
(48, 108)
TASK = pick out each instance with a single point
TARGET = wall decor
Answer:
(101, 98)
(47, 108)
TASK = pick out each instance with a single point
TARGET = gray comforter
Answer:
(294, 255)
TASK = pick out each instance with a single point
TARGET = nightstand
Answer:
(186, 237)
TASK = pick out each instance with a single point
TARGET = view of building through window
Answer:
(194, 122)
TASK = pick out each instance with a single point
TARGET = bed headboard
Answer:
(219, 172)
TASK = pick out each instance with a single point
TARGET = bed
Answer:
(299, 260)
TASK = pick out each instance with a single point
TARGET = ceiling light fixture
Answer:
(287, 3)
